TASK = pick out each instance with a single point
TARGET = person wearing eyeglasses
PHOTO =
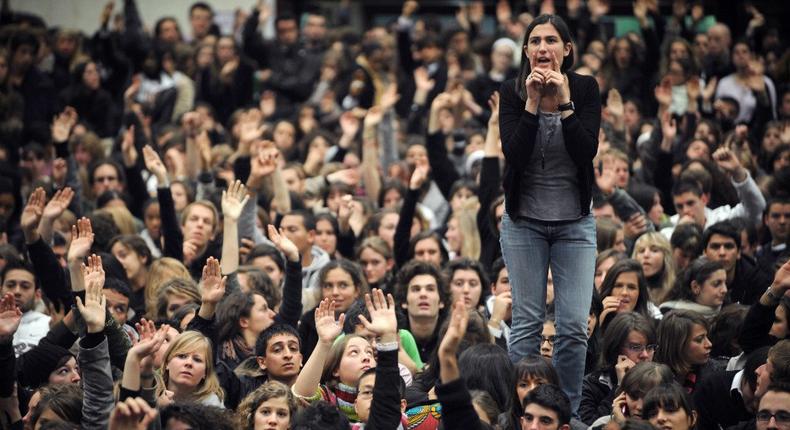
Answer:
(548, 336)
(630, 339)
(774, 409)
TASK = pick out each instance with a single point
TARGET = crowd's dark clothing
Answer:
(457, 410)
(519, 130)
(37, 90)
(489, 189)
(717, 404)
(443, 171)
(95, 108)
(755, 328)
(403, 229)
(385, 407)
(55, 285)
(308, 333)
(749, 283)
(598, 393)
(227, 96)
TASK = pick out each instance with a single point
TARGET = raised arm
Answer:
(328, 328)
(233, 201)
(171, 230)
(401, 244)
(213, 288)
(752, 201)
(52, 211)
(370, 153)
(10, 317)
(139, 359)
(385, 407)
(81, 242)
(94, 356)
(291, 308)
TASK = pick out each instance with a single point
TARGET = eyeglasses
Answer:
(549, 339)
(639, 348)
(781, 417)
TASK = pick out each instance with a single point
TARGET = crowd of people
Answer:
(305, 229)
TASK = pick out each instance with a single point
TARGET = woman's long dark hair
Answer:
(699, 271)
(617, 334)
(565, 35)
(486, 367)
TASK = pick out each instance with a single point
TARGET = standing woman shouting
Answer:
(549, 119)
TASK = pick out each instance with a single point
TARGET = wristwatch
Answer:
(567, 106)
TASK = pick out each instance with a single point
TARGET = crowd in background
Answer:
(206, 230)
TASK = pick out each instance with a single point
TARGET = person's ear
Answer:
(695, 289)
(705, 198)
(261, 362)
(565, 427)
(693, 419)
(38, 293)
(244, 322)
(390, 264)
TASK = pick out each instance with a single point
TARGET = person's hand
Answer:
(106, 13)
(610, 304)
(128, 150)
(635, 226)
(59, 171)
(132, 90)
(62, 125)
(349, 123)
(348, 176)
(781, 284)
(555, 78)
(165, 399)
(598, 8)
(93, 272)
(728, 162)
(389, 97)
(710, 89)
(614, 103)
(81, 240)
(261, 165)
(419, 176)
(58, 204)
(382, 314)
(535, 80)
(373, 117)
(155, 165)
(326, 325)
(190, 249)
(669, 130)
(226, 74)
(605, 179)
(10, 317)
(94, 308)
(493, 106)
(250, 131)
(133, 413)
(268, 104)
(476, 11)
(344, 210)
(212, 282)
(640, 12)
(150, 344)
(663, 92)
(245, 246)
(455, 330)
(409, 8)
(281, 241)
(31, 215)
(233, 201)
(503, 12)
(624, 364)
(423, 81)
(618, 405)
(502, 306)
(693, 88)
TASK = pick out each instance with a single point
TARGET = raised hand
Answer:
(710, 89)
(614, 103)
(419, 176)
(374, 116)
(663, 92)
(389, 97)
(133, 413)
(261, 165)
(155, 165)
(455, 330)
(62, 125)
(33, 211)
(148, 346)
(284, 244)
(693, 88)
(93, 272)
(326, 325)
(728, 162)
(128, 150)
(10, 317)
(81, 239)
(59, 203)
(422, 80)
(669, 130)
(93, 309)
(781, 282)
(382, 314)
(233, 200)
(349, 123)
(212, 282)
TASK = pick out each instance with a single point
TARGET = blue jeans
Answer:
(529, 248)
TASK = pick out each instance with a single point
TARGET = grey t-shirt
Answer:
(549, 185)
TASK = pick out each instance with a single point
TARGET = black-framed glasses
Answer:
(549, 339)
(781, 417)
(639, 348)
